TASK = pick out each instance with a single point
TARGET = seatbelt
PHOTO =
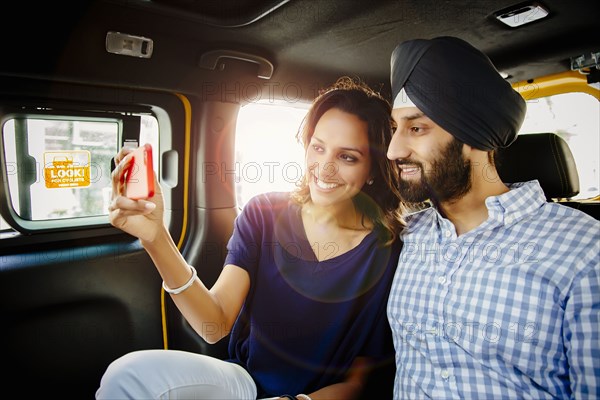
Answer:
(130, 134)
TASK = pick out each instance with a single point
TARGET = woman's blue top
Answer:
(305, 321)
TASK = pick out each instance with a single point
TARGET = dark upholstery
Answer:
(547, 158)
(542, 156)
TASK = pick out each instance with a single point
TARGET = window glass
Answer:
(268, 156)
(4, 226)
(576, 118)
(59, 167)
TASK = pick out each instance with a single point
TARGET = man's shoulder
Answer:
(566, 228)
(527, 198)
(569, 215)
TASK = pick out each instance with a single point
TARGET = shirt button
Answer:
(448, 233)
(445, 374)
(441, 279)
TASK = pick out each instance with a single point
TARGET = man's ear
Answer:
(476, 156)
(467, 150)
(473, 153)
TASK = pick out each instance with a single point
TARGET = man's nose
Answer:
(398, 147)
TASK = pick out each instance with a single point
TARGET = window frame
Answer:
(556, 84)
(42, 110)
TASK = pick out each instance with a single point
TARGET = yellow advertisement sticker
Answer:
(67, 169)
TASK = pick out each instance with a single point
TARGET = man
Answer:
(497, 292)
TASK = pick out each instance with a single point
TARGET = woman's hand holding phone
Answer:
(139, 178)
(141, 213)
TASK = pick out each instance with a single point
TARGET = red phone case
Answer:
(140, 176)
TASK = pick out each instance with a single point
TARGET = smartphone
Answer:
(139, 178)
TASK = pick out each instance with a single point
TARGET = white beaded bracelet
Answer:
(302, 396)
(185, 286)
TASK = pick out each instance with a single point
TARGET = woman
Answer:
(306, 279)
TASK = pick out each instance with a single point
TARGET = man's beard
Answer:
(449, 178)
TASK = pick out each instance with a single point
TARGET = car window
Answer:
(268, 156)
(58, 167)
(576, 118)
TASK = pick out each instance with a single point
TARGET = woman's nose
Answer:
(324, 166)
(327, 169)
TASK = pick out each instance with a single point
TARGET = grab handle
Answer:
(210, 60)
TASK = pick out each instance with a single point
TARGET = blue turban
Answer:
(458, 87)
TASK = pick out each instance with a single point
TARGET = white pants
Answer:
(173, 374)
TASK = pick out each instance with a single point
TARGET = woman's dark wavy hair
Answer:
(379, 202)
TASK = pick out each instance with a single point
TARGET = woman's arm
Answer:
(211, 313)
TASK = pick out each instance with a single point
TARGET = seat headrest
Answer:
(542, 156)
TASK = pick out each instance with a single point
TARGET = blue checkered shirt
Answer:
(510, 309)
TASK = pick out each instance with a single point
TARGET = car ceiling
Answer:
(359, 35)
(327, 38)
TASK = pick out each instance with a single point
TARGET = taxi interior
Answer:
(76, 293)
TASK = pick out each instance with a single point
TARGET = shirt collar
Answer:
(522, 199)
